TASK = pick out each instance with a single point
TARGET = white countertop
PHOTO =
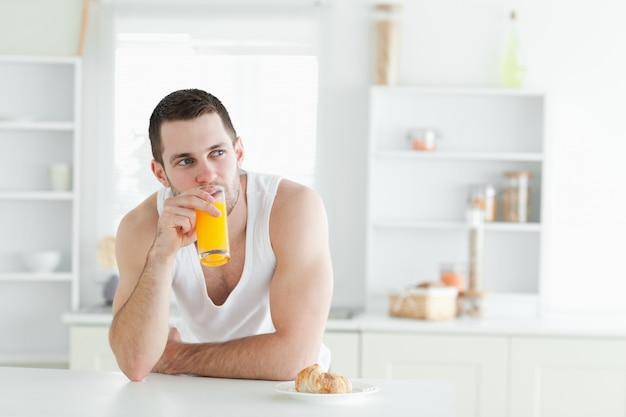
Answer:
(377, 320)
(65, 393)
(501, 326)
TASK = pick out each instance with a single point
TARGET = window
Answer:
(268, 82)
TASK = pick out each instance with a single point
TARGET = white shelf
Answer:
(40, 59)
(452, 225)
(40, 116)
(28, 125)
(475, 91)
(35, 276)
(37, 195)
(40, 113)
(461, 156)
(417, 199)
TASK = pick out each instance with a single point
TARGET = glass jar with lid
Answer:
(387, 17)
(483, 196)
(452, 274)
(516, 197)
(423, 139)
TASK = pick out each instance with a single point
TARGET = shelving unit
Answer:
(36, 277)
(39, 126)
(37, 195)
(417, 199)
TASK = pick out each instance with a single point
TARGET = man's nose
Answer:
(206, 173)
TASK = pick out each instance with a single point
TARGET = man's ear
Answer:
(239, 151)
(159, 173)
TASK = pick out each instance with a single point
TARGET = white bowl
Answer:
(41, 261)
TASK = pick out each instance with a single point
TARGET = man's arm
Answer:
(146, 247)
(300, 295)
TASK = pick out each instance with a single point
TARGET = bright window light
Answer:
(271, 98)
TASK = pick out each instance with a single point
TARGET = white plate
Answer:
(358, 390)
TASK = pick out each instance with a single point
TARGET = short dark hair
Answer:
(185, 105)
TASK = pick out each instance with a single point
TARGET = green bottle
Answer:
(512, 69)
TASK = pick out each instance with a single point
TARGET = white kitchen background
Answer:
(574, 52)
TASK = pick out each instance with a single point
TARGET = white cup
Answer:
(61, 177)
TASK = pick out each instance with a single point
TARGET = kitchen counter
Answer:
(507, 358)
(57, 392)
(376, 319)
(504, 326)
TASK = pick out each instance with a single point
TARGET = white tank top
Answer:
(246, 311)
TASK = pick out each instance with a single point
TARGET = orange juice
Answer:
(212, 233)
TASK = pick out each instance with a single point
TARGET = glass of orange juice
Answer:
(212, 232)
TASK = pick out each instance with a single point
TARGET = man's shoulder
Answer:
(290, 190)
(295, 199)
(143, 216)
(298, 220)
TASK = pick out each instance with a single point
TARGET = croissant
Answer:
(314, 379)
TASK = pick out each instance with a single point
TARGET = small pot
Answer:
(423, 139)
(109, 289)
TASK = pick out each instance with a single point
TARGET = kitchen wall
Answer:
(574, 51)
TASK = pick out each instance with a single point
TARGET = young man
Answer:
(259, 316)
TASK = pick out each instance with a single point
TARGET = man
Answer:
(259, 316)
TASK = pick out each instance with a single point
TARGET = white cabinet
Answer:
(345, 348)
(90, 349)
(555, 377)
(498, 375)
(417, 200)
(477, 366)
(39, 126)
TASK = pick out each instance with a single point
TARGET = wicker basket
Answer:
(424, 303)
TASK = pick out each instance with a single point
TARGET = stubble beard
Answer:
(232, 192)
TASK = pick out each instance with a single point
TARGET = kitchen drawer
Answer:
(345, 348)
(90, 349)
(476, 365)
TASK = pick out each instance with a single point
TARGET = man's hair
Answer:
(185, 105)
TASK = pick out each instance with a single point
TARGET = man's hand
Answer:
(167, 362)
(176, 224)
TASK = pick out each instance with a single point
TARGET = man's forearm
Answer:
(266, 356)
(139, 329)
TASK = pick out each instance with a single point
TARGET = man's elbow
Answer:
(134, 363)
(136, 372)
(136, 376)
(300, 359)
(135, 366)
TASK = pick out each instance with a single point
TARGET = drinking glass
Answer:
(212, 231)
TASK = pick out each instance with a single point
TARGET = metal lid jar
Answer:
(516, 197)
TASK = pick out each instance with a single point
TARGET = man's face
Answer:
(198, 152)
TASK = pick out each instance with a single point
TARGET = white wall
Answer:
(575, 52)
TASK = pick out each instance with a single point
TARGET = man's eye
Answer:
(185, 161)
(217, 152)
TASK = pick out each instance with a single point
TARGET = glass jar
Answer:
(387, 17)
(476, 223)
(484, 198)
(516, 197)
(473, 304)
(452, 274)
(423, 139)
